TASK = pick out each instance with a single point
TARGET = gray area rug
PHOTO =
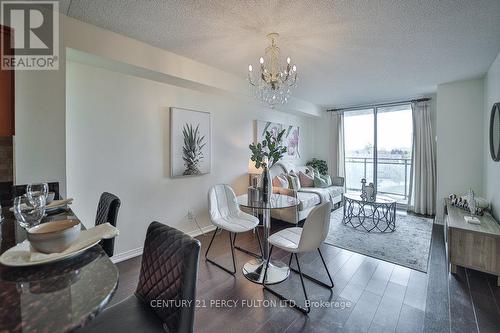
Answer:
(407, 246)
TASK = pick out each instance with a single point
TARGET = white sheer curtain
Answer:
(336, 142)
(422, 194)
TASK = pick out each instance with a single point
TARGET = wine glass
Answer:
(36, 190)
(29, 212)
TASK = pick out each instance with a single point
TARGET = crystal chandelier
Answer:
(272, 83)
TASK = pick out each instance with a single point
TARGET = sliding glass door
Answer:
(378, 147)
(359, 140)
(394, 146)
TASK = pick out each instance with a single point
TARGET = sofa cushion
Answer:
(335, 190)
(306, 180)
(280, 181)
(326, 194)
(320, 182)
(308, 200)
(294, 181)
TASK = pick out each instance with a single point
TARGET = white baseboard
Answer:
(126, 255)
(204, 230)
(138, 251)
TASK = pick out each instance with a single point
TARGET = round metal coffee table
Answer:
(371, 215)
(254, 269)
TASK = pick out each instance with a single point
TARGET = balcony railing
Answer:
(393, 175)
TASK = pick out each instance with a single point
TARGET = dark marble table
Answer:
(56, 297)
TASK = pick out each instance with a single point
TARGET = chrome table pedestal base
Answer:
(276, 273)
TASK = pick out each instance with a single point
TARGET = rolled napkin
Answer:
(57, 203)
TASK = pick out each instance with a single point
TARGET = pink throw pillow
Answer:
(280, 181)
(306, 180)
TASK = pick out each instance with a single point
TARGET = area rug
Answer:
(408, 245)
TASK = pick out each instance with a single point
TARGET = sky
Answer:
(394, 129)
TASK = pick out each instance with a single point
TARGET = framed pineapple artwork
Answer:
(190, 142)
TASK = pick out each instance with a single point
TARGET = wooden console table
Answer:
(475, 246)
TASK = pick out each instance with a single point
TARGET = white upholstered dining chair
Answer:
(225, 214)
(299, 240)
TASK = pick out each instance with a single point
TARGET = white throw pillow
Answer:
(293, 181)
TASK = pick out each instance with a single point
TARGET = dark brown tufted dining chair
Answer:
(168, 278)
(107, 211)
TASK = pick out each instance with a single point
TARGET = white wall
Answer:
(40, 96)
(41, 134)
(118, 141)
(460, 138)
(322, 136)
(39, 143)
(491, 168)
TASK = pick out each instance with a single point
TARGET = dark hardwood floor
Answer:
(370, 295)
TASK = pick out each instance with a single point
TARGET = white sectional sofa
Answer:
(308, 196)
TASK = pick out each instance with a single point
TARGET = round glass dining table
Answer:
(55, 297)
(254, 269)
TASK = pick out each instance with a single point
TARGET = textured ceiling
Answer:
(347, 52)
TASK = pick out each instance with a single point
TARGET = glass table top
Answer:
(55, 297)
(379, 199)
(275, 202)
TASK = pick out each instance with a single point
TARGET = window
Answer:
(378, 147)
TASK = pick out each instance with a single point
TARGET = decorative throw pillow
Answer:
(316, 172)
(293, 181)
(309, 169)
(320, 182)
(280, 181)
(306, 180)
(276, 182)
(327, 179)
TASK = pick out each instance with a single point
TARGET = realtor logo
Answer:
(34, 43)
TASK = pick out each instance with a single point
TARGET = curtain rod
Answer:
(367, 106)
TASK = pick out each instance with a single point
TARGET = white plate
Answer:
(21, 255)
(13, 259)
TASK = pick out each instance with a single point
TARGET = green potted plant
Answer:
(318, 164)
(265, 154)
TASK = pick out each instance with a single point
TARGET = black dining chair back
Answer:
(164, 300)
(168, 273)
(107, 211)
(18, 190)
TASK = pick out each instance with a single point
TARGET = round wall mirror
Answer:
(495, 132)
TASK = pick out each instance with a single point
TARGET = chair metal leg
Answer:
(304, 310)
(331, 285)
(247, 251)
(307, 309)
(232, 254)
